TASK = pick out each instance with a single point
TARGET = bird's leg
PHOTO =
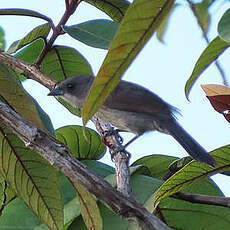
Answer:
(112, 132)
(133, 139)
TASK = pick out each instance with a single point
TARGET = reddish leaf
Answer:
(219, 97)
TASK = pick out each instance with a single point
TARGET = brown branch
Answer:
(118, 154)
(29, 71)
(203, 199)
(61, 158)
(70, 9)
(204, 33)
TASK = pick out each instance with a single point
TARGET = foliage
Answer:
(33, 195)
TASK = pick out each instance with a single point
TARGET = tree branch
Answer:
(61, 158)
(29, 71)
(118, 154)
(202, 199)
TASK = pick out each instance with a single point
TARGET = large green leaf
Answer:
(224, 26)
(89, 209)
(2, 39)
(96, 33)
(30, 53)
(83, 143)
(157, 164)
(31, 178)
(12, 93)
(114, 8)
(17, 214)
(192, 173)
(24, 12)
(63, 62)
(179, 214)
(6, 194)
(215, 48)
(140, 22)
(41, 31)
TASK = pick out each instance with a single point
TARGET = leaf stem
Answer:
(70, 9)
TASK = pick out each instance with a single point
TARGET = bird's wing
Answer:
(134, 98)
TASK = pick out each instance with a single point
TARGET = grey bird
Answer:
(132, 108)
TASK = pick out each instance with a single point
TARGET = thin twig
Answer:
(202, 199)
(70, 9)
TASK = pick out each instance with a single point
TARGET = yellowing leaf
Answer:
(89, 209)
(219, 97)
(13, 94)
(140, 22)
(214, 90)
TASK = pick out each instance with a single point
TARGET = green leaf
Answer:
(73, 110)
(6, 194)
(63, 62)
(157, 164)
(24, 12)
(179, 214)
(96, 33)
(30, 54)
(41, 31)
(31, 178)
(202, 13)
(224, 26)
(12, 93)
(17, 215)
(215, 48)
(83, 146)
(140, 22)
(89, 209)
(162, 28)
(2, 39)
(44, 117)
(114, 8)
(192, 173)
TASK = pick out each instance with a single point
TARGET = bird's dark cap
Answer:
(56, 92)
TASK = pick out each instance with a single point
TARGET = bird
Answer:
(133, 108)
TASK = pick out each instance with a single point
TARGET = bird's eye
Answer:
(69, 86)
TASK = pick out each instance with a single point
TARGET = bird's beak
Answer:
(56, 92)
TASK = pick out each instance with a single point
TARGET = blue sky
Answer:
(162, 68)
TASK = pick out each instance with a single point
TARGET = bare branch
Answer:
(203, 199)
(61, 158)
(29, 71)
(118, 154)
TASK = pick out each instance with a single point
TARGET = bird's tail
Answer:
(190, 145)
